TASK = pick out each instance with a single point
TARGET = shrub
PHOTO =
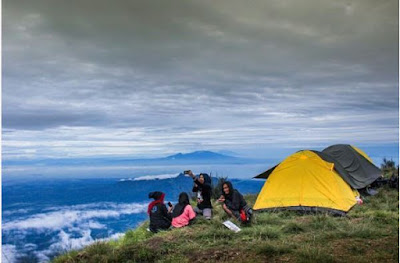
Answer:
(216, 189)
(389, 168)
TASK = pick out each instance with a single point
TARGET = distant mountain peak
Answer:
(197, 155)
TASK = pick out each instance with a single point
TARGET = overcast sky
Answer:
(150, 78)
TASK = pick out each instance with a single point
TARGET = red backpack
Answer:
(243, 216)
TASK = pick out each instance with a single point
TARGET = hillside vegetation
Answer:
(369, 233)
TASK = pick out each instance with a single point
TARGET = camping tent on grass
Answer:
(304, 181)
(358, 169)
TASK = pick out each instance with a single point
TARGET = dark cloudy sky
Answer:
(149, 78)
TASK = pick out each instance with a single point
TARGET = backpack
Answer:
(245, 214)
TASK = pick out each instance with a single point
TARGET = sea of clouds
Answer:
(151, 177)
(70, 226)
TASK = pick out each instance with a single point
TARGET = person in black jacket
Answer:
(234, 204)
(202, 185)
(160, 216)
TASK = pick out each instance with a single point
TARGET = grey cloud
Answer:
(194, 64)
(49, 119)
(136, 34)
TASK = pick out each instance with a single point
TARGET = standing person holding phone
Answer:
(202, 186)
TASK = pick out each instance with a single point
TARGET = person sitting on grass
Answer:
(202, 186)
(183, 213)
(160, 216)
(234, 204)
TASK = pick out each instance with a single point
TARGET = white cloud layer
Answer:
(71, 227)
(69, 217)
(154, 177)
(66, 242)
(9, 253)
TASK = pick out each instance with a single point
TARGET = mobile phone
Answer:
(186, 172)
(169, 204)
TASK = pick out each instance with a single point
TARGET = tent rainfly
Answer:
(354, 165)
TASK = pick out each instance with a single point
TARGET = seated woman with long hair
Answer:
(183, 212)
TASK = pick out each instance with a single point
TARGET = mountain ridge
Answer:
(179, 158)
(199, 155)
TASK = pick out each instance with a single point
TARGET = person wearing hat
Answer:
(160, 216)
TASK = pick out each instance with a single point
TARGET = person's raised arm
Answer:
(190, 173)
(195, 180)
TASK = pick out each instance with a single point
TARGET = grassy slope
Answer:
(368, 234)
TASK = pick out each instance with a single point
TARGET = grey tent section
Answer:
(354, 168)
(266, 174)
(348, 178)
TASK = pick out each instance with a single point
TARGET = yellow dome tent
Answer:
(303, 181)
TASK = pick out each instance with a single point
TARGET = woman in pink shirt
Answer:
(183, 212)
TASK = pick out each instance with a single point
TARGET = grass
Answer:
(369, 233)
(310, 253)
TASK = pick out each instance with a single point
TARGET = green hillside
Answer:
(368, 234)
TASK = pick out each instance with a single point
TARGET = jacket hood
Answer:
(155, 195)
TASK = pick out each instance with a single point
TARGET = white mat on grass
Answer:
(231, 226)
